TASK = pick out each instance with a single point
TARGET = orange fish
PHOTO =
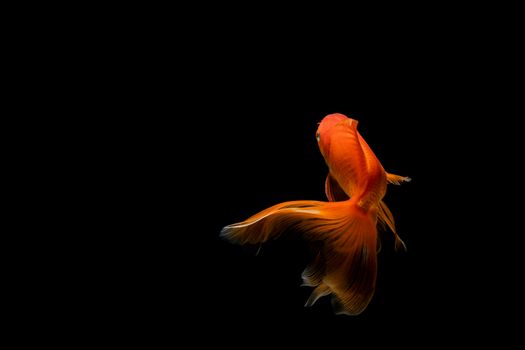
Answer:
(345, 227)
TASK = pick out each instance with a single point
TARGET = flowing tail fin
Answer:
(347, 262)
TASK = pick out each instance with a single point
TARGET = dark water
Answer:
(169, 131)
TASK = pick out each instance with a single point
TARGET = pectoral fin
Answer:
(385, 216)
(396, 179)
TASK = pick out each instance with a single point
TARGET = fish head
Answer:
(327, 128)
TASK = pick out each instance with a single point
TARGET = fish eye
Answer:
(318, 136)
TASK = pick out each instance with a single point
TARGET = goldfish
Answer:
(344, 228)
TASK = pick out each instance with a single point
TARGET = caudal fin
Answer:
(272, 222)
(347, 262)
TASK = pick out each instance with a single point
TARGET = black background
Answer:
(167, 125)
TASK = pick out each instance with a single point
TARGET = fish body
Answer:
(345, 227)
(352, 164)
